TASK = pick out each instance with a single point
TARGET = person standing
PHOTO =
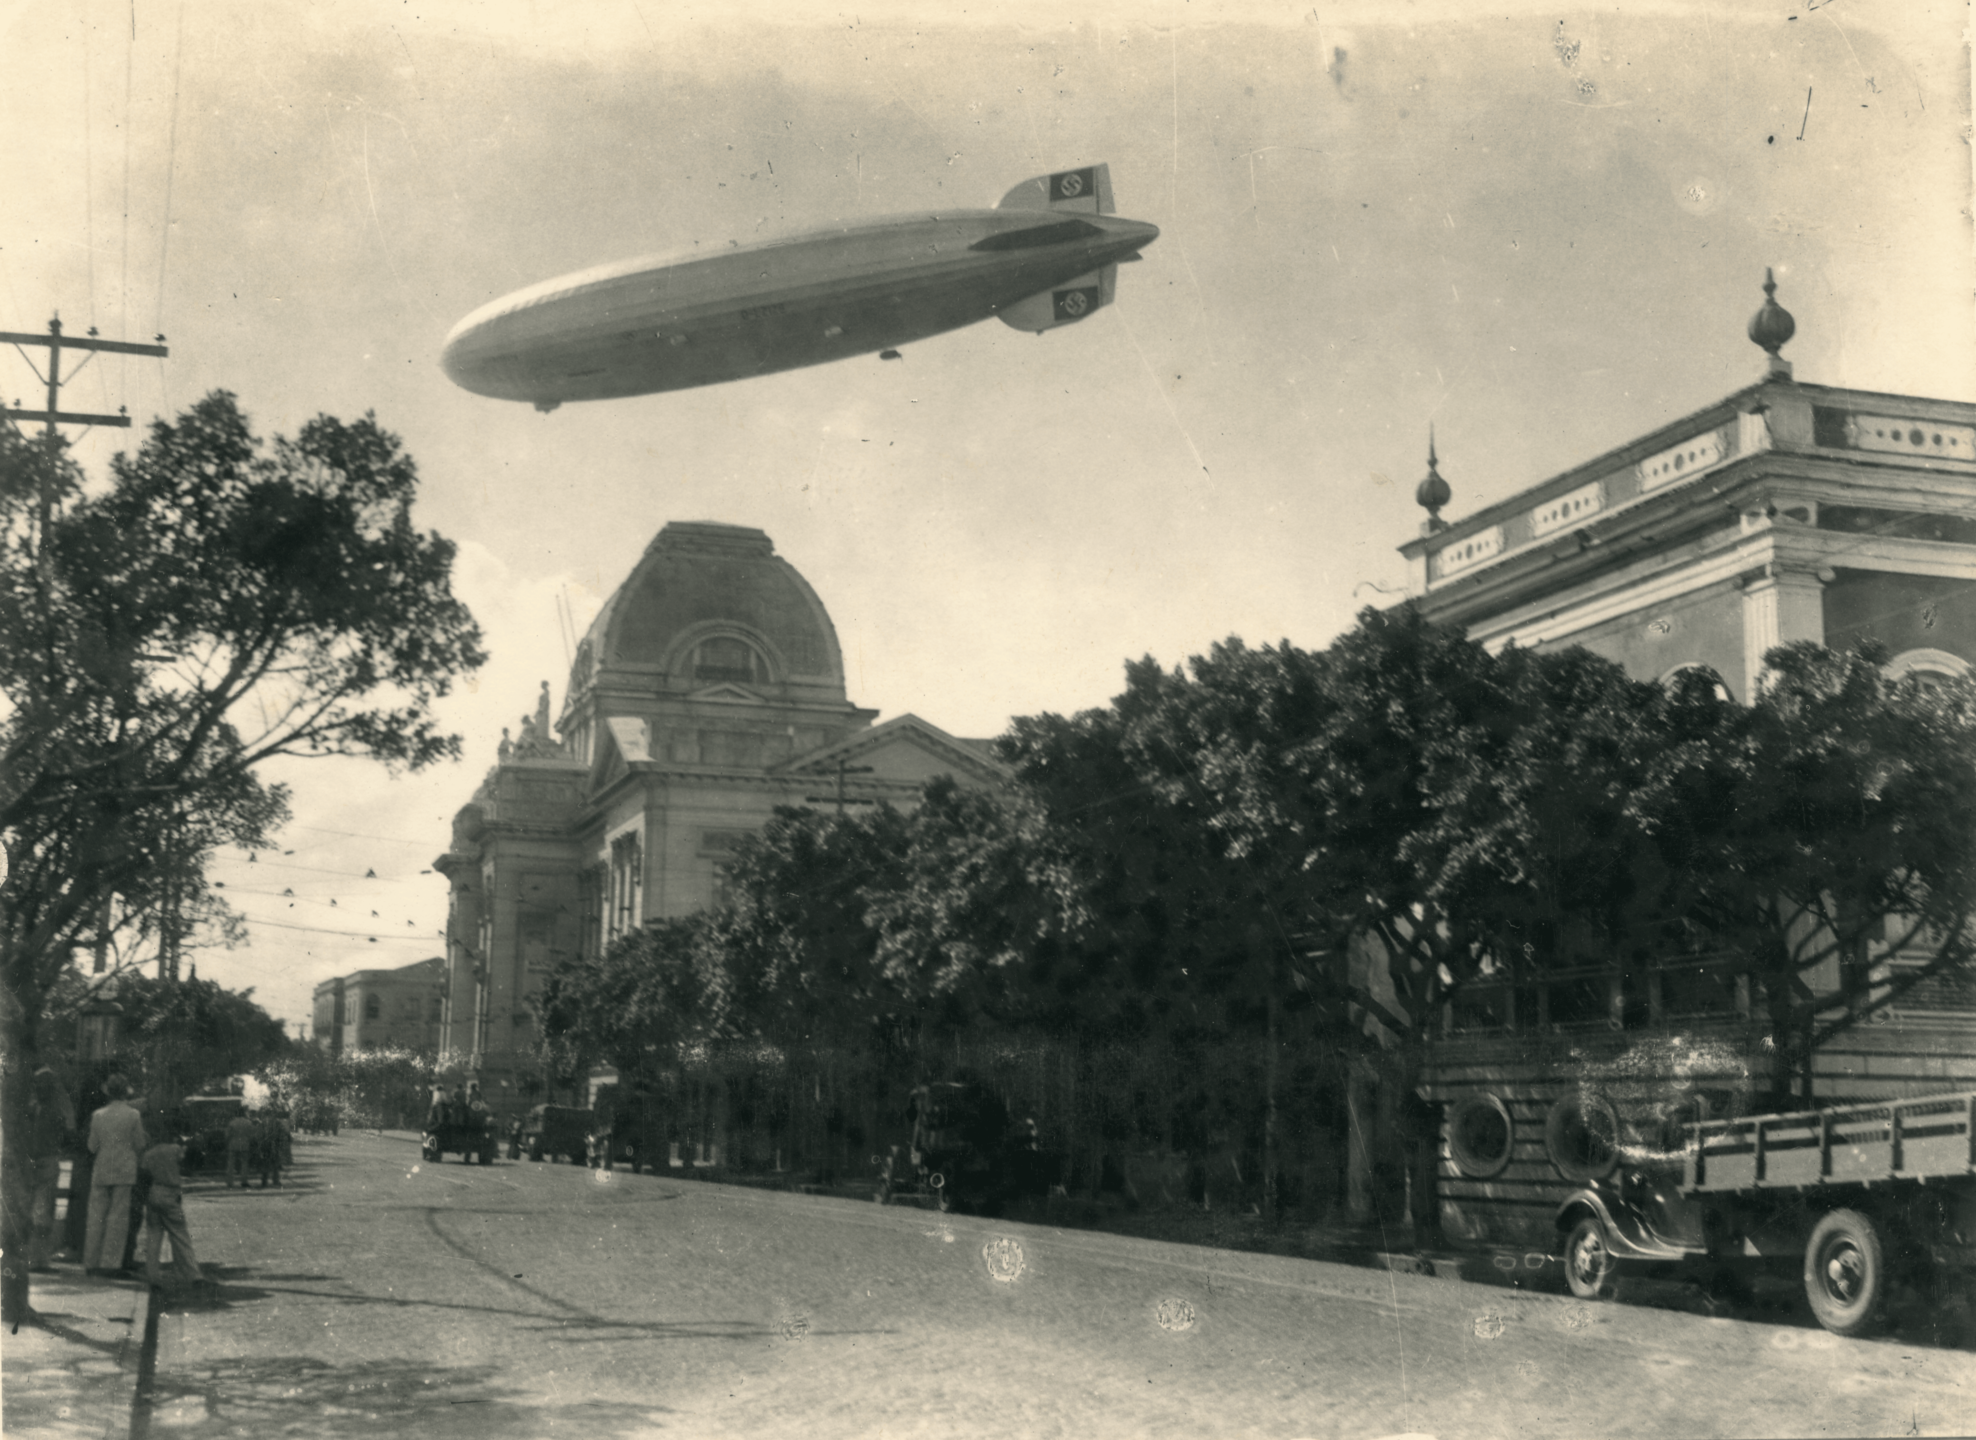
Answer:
(239, 1144)
(76, 1227)
(117, 1141)
(51, 1130)
(164, 1214)
(271, 1135)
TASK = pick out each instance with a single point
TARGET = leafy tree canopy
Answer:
(219, 601)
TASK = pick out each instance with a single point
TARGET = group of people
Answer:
(133, 1180)
(463, 1109)
(319, 1117)
(259, 1142)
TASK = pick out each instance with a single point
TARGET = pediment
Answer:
(906, 749)
(620, 740)
(727, 695)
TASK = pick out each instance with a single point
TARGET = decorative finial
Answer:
(1772, 326)
(1432, 492)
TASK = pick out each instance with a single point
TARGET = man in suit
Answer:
(51, 1127)
(117, 1141)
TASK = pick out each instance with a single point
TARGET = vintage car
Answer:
(964, 1153)
(629, 1128)
(552, 1130)
(1857, 1199)
(470, 1134)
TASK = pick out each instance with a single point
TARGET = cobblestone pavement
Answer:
(377, 1296)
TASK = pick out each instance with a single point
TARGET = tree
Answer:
(651, 991)
(980, 894)
(1191, 909)
(1829, 817)
(175, 1035)
(220, 602)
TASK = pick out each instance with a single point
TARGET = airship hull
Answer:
(648, 326)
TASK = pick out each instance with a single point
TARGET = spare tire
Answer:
(1581, 1136)
(1481, 1136)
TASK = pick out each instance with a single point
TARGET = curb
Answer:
(73, 1369)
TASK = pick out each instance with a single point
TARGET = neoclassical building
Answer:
(1785, 511)
(709, 691)
(381, 1009)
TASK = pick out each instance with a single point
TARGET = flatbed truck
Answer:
(1864, 1197)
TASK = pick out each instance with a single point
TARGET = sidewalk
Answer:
(71, 1371)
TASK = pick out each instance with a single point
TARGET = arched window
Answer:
(728, 658)
(1705, 673)
(1927, 666)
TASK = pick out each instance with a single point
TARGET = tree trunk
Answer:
(17, 1064)
(1269, 1141)
(1361, 1122)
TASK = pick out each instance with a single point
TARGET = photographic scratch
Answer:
(1807, 112)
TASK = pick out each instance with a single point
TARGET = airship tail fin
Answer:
(1064, 304)
(1087, 190)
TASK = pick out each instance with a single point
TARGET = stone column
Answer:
(1784, 605)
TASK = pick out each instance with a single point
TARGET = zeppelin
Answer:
(1046, 255)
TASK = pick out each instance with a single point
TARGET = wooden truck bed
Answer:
(1922, 1139)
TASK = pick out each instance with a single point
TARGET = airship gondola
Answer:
(1045, 256)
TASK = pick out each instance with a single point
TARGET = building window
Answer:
(591, 885)
(625, 879)
(728, 658)
(1929, 668)
(1696, 674)
(1481, 1136)
(373, 1007)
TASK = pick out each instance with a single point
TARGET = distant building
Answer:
(709, 691)
(382, 1009)
(1783, 512)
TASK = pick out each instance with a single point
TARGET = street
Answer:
(378, 1295)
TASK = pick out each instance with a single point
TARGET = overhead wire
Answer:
(123, 263)
(89, 177)
(165, 235)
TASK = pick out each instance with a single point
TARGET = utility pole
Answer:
(843, 770)
(55, 343)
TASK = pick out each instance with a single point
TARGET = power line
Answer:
(171, 166)
(346, 934)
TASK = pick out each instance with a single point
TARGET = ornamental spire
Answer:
(1432, 492)
(1772, 326)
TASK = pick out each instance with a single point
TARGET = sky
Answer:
(1541, 231)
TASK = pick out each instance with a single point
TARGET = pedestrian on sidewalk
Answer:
(89, 1099)
(117, 1141)
(51, 1130)
(164, 1213)
(239, 1145)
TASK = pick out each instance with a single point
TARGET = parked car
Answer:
(629, 1128)
(1854, 1198)
(964, 1153)
(553, 1130)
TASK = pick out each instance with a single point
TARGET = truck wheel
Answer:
(1588, 1263)
(1845, 1273)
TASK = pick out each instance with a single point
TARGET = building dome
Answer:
(711, 604)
